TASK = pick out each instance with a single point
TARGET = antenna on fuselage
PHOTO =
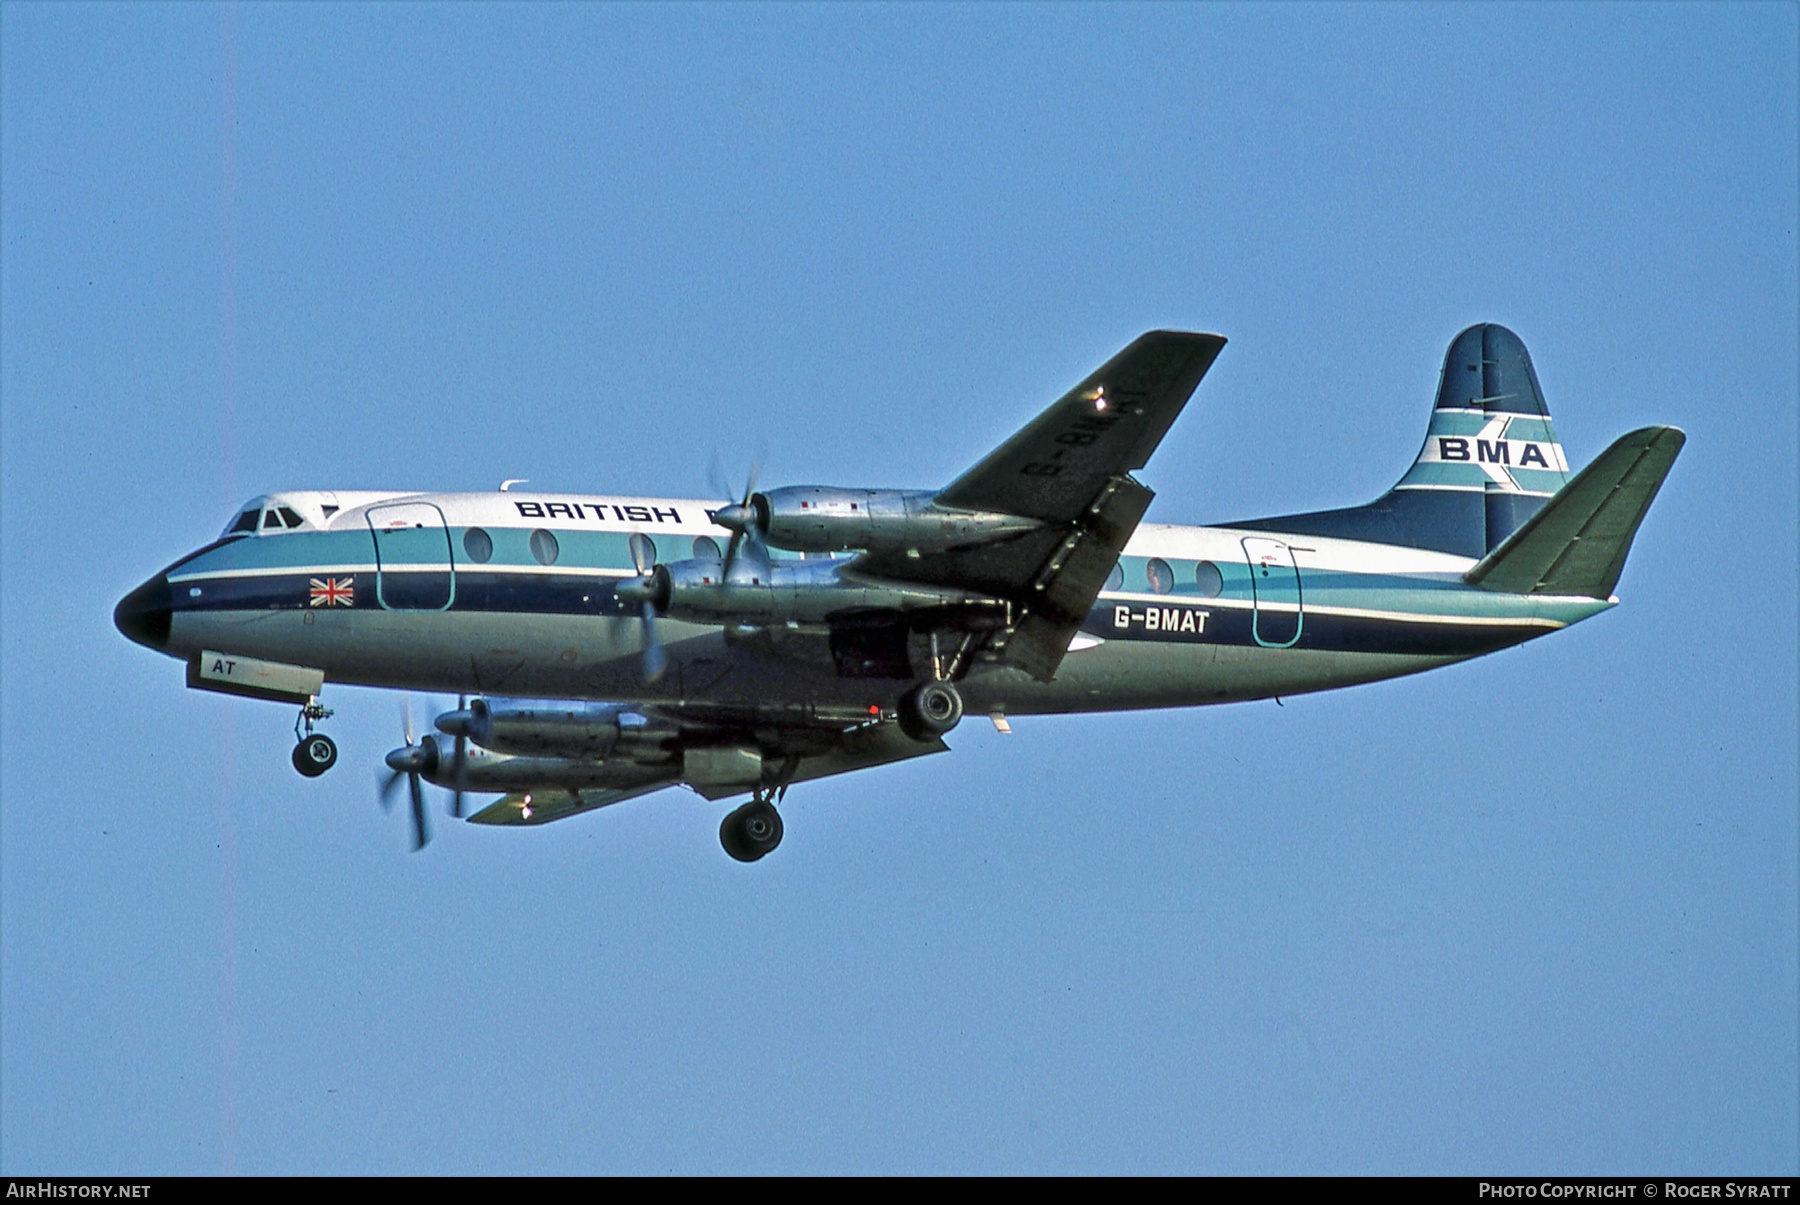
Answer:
(512, 481)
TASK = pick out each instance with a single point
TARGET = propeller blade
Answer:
(715, 478)
(642, 589)
(462, 762)
(420, 833)
(655, 659)
(731, 551)
(755, 472)
(738, 534)
(408, 762)
(462, 776)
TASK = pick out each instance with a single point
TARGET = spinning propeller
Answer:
(422, 758)
(643, 590)
(739, 518)
(644, 561)
(409, 763)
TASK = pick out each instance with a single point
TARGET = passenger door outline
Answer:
(1274, 588)
(415, 566)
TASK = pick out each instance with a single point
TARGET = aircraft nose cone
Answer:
(145, 614)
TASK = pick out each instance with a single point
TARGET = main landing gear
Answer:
(316, 752)
(930, 709)
(752, 831)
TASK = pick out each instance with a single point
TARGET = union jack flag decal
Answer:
(334, 593)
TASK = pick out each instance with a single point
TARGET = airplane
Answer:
(617, 646)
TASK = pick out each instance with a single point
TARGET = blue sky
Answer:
(1535, 913)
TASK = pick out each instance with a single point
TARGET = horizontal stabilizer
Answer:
(1578, 543)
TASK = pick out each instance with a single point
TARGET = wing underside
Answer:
(817, 754)
(554, 803)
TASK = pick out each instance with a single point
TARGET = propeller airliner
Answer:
(608, 647)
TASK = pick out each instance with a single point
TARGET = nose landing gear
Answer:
(315, 753)
(752, 831)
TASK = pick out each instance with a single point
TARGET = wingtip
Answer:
(1170, 333)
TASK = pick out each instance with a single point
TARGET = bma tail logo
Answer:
(1497, 451)
(334, 593)
(1510, 463)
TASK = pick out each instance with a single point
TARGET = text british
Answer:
(578, 510)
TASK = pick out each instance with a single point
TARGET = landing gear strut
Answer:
(316, 752)
(753, 830)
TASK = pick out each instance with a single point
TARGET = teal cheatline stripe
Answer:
(293, 550)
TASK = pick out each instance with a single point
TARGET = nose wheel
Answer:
(315, 753)
(752, 831)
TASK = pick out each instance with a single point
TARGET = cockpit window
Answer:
(293, 520)
(246, 521)
(271, 520)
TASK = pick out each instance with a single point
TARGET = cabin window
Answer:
(544, 547)
(1209, 579)
(479, 545)
(246, 521)
(293, 520)
(706, 549)
(1162, 578)
(1116, 579)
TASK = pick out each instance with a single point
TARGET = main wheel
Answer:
(315, 755)
(930, 710)
(752, 831)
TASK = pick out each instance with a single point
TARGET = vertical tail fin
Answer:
(1491, 433)
(1490, 462)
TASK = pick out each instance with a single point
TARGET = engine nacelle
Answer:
(763, 593)
(487, 770)
(561, 728)
(818, 518)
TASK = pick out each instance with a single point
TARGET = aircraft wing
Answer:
(553, 803)
(861, 748)
(1100, 430)
(1071, 468)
